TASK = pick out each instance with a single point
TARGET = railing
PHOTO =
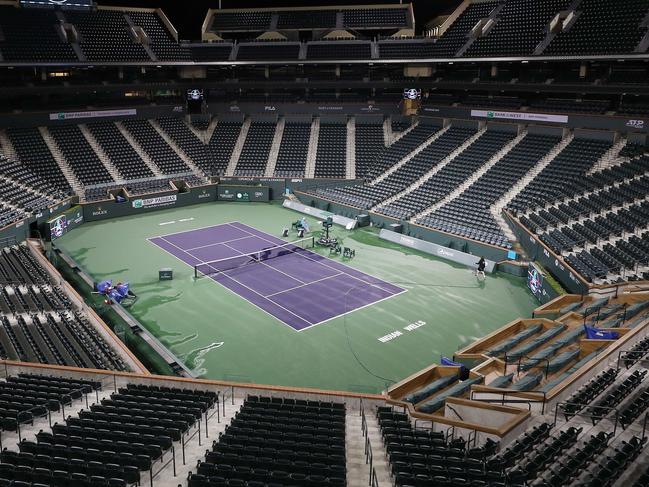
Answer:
(586, 412)
(122, 182)
(633, 355)
(502, 401)
(369, 457)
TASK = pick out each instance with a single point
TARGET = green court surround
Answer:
(221, 336)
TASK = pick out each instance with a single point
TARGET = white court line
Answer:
(194, 229)
(355, 309)
(304, 285)
(247, 287)
(264, 264)
(233, 292)
(217, 243)
(324, 264)
(186, 219)
(392, 294)
(167, 223)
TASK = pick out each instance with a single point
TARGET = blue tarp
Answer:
(593, 333)
(117, 293)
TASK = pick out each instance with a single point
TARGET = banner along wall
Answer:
(102, 210)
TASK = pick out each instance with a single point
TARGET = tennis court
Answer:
(298, 287)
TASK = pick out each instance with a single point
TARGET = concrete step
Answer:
(309, 170)
(274, 148)
(238, 147)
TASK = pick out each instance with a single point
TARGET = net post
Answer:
(195, 272)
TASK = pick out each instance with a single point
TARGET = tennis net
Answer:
(229, 263)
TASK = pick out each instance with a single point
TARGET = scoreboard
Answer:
(62, 224)
(535, 280)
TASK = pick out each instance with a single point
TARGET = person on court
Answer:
(481, 267)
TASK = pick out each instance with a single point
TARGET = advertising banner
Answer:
(440, 251)
(243, 194)
(524, 116)
(111, 209)
(93, 114)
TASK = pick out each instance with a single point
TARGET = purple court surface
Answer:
(301, 288)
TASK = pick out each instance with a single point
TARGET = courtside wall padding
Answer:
(446, 240)
(431, 248)
(548, 293)
(537, 252)
(103, 210)
(512, 268)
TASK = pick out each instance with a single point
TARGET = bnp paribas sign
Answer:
(154, 202)
(523, 116)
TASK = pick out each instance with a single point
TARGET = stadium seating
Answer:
(569, 105)
(114, 443)
(396, 49)
(23, 191)
(155, 146)
(468, 215)
(306, 19)
(293, 150)
(276, 441)
(520, 27)
(598, 221)
(256, 148)
(98, 26)
(369, 143)
(164, 46)
(119, 150)
(558, 176)
(245, 21)
(33, 152)
(425, 457)
(38, 322)
(32, 36)
(457, 35)
(210, 52)
(79, 155)
(449, 177)
(602, 28)
(413, 169)
(330, 161)
(188, 142)
(221, 145)
(374, 17)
